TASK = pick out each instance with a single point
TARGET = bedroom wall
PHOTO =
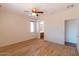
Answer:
(14, 28)
(54, 24)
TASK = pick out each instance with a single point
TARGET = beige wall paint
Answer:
(14, 28)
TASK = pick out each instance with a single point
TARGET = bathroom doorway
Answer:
(42, 30)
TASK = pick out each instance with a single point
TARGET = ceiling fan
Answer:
(35, 12)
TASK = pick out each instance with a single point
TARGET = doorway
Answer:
(42, 30)
(71, 32)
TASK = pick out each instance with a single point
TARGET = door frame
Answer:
(65, 31)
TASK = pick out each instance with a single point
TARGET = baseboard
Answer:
(17, 42)
(70, 44)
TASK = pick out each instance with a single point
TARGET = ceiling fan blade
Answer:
(39, 12)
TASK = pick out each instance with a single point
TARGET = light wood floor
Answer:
(38, 47)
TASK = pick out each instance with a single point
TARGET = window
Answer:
(31, 26)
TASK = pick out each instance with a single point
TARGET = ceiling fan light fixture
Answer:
(34, 9)
(33, 14)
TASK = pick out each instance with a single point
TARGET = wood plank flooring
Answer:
(37, 47)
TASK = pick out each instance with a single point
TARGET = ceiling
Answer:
(46, 7)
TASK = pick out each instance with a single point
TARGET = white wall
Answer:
(37, 29)
(78, 34)
(54, 24)
(41, 26)
(14, 28)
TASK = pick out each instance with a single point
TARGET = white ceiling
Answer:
(46, 7)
